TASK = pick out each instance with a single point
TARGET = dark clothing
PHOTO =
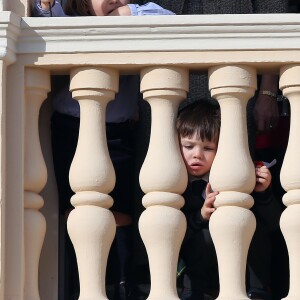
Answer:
(198, 251)
(191, 209)
(184, 7)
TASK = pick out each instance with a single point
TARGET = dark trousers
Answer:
(199, 256)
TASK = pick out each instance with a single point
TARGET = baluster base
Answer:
(91, 230)
(162, 229)
(290, 227)
(231, 229)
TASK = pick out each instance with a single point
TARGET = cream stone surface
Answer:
(290, 85)
(164, 88)
(164, 48)
(290, 226)
(232, 228)
(232, 86)
(91, 229)
(91, 225)
(162, 229)
(232, 174)
(162, 225)
(20, 7)
(48, 283)
(89, 86)
(37, 85)
(13, 264)
(3, 70)
(290, 177)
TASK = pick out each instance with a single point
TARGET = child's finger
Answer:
(210, 199)
(262, 169)
(261, 180)
(207, 189)
(211, 210)
(264, 174)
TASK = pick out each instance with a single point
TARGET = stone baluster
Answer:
(290, 178)
(163, 178)
(91, 225)
(37, 85)
(232, 225)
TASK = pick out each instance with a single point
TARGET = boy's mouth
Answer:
(195, 166)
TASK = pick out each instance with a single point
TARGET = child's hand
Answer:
(263, 179)
(45, 4)
(208, 206)
(121, 11)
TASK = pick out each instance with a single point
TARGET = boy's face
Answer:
(105, 7)
(198, 155)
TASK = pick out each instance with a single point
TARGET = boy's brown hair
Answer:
(202, 117)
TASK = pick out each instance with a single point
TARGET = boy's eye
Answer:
(209, 149)
(188, 146)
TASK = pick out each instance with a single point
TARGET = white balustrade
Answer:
(91, 225)
(232, 174)
(37, 85)
(163, 178)
(290, 178)
(164, 47)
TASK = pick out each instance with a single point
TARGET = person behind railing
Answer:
(262, 111)
(198, 126)
(121, 117)
(265, 109)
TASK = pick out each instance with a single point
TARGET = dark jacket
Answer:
(266, 208)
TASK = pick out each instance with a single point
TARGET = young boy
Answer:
(198, 127)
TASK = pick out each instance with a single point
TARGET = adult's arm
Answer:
(265, 111)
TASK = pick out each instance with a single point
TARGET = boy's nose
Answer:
(198, 153)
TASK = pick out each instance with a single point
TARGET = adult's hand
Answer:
(266, 114)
